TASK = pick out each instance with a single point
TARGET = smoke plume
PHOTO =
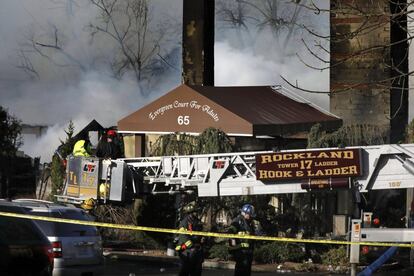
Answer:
(74, 81)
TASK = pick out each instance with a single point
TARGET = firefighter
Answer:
(242, 249)
(189, 247)
(82, 148)
(107, 147)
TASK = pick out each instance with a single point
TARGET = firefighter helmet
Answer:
(248, 209)
(111, 133)
(88, 204)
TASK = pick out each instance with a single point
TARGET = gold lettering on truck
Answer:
(309, 164)
(269, 158)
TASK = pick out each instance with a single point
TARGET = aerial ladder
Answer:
(362, 169)
(243, 173)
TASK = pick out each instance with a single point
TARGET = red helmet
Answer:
(111, 132)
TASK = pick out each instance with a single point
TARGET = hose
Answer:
(378, 262)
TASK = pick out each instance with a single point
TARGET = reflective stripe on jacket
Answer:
(187, 245)
(184, 241)
(241, 226)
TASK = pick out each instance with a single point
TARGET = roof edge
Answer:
(283, 130)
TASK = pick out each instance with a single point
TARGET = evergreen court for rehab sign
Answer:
(308, 164)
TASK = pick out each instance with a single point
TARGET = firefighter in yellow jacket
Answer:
(189, 247)
(82, 148)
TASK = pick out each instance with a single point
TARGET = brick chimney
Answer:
(363, 91)
(198, 42)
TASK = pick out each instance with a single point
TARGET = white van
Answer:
(77, 248)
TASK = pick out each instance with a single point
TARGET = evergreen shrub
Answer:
(277, 252)
(335, 256)
(219, 251)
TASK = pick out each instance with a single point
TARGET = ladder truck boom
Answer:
(243, 173)
(252, 173)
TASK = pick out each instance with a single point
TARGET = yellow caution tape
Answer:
(200, 233)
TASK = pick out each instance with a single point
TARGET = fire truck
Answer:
(362, 169)
(245, 173)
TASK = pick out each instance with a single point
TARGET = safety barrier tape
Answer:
(200, 233)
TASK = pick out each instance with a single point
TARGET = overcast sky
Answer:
(83, 88)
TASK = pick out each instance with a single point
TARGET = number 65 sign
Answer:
(183, 120)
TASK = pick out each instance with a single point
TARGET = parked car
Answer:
(24, 249)
(77, 249)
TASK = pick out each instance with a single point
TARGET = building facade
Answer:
(369, 64)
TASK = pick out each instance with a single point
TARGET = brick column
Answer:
(360, 74)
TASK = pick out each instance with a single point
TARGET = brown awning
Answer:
(257, 110)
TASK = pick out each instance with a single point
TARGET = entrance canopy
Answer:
(238, 111)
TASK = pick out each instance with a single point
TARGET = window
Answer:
(57, 229)
(18, 230)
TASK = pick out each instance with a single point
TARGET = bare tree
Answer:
(26, 65)
(370, 17)
(127, 23)
(233, 13)
(282, 18)
(47, 43)
(57, 47)
(367, 60)
(119, 38)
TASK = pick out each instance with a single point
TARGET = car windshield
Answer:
(18, 230)
(58, 229)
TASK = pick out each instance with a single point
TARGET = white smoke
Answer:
(64, 89)
(243, 68)
(94, 97)
(257, 55)
(83, 89)
(45, 145)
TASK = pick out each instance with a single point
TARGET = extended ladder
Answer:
(381, 167)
